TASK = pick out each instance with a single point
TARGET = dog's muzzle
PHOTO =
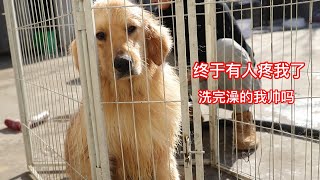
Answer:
(123, 65)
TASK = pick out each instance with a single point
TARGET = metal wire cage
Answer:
(40, 33)
(57, 91)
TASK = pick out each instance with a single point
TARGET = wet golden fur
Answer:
(156, 132)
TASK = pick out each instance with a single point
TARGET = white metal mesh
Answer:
(40, 33)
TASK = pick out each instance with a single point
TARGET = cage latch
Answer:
(187, 149)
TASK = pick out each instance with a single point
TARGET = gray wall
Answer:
(66, 32)
(4, 42)
(64, 29)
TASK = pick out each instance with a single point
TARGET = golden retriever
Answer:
(132, 47)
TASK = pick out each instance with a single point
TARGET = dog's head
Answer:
(124, 35)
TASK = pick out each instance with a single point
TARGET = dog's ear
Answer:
(74, 52)
(158, 40)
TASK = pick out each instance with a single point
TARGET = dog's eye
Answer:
(101, 36)
(131, 29)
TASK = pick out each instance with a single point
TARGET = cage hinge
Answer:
(80, 17)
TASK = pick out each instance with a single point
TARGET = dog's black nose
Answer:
(123, 63)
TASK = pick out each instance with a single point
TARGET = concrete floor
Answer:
(55, 90)
(12, 155)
